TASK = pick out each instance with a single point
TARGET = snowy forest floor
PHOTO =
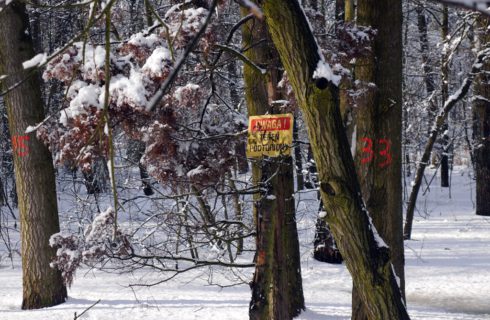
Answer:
(447, 275)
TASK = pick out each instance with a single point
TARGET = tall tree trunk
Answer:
(481, 125)
(445, 94)
(379, 121)
(42, 285)
(298, 161)
(367, 259)
(277, 292)
(424, 49)
(241, 148)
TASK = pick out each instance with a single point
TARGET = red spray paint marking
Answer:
(20, 148)
(384, 153)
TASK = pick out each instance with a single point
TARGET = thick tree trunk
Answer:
(379, 121)
(277, 292)
(367, 259)
(481, 126)
(42, 285)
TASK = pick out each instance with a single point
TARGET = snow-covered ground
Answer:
(447, 276)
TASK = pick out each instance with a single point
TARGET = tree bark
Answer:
(481, 125)
(42, 285)
(445, 94)
(367, 259)
(277, 292)
(298, 161)
(379, 123)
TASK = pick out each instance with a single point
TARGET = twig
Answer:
(81, 314)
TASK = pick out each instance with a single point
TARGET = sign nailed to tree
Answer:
(270, 135)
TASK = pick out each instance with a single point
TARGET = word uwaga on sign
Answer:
(270, 135)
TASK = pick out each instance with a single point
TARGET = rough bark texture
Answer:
(481, 125)
(367, 260)
(42, 285)
(379, 121)
(277, 292)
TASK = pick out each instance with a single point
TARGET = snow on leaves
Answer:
(94, 246)
(179, 135)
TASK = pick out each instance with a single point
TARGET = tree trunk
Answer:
(3, 200)
(298, 161)
(135, 153)
(424, 49)
(367, 259)
(445, 94)
(42, 285)
(277, 292)
(379, 122)
(241, 148)
(481, 126)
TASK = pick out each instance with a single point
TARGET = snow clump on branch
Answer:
(179, 135)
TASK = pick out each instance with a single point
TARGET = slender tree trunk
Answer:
(367, 260)
(298, 162)
(42, 285)
(241, 148)
(379, 121)
(445, 94)
(481, 125)
(424, 49)
(3, 200)
(277, 292)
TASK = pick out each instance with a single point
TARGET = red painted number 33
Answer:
(368, 153)
(19, 145)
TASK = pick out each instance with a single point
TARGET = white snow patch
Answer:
(188, 87)
(36, 61)
(86, 96)
(323, 70)
(156, 63)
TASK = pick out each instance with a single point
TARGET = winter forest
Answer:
(244, 159)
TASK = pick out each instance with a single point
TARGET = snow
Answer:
(157, 61)
(447, 274)
(323, 70)
(127, 90)
(140, 39)
(180, 90)
(86, 96)
(30, 129)
(36, 61)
